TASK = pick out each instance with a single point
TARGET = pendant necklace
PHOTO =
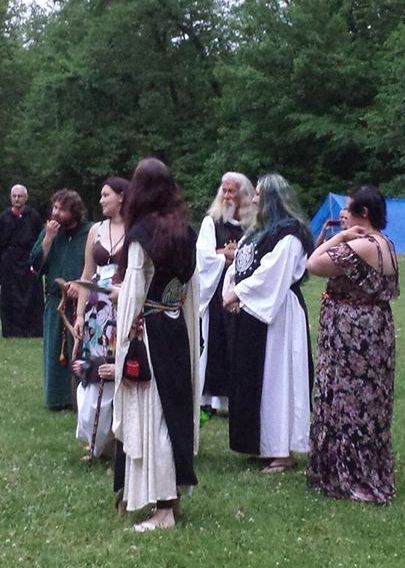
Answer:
(112, 247)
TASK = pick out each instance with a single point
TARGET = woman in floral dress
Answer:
(96, 320)
(351, 453)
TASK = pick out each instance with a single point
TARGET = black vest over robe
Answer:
(170, 350)
(217, 373)
(249, 338)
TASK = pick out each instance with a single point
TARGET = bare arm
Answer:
(320, 263)
(322, 235)
(88, 271)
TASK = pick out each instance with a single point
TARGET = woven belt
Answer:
(152, 307)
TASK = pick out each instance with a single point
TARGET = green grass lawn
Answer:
(56, 511)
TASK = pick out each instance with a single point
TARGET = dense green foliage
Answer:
(310, 88)
(58, 512)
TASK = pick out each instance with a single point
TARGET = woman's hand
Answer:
(352, 233)
(231, 302)
(78, 327)
(137, 327)
(72, 290)
(114, 293)
(233, 308)
(77, 366)
(106, 371)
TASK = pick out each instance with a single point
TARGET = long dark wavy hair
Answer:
(155, 203)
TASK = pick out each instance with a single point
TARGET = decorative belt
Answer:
(152, 307)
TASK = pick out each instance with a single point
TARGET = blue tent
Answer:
(333, 203)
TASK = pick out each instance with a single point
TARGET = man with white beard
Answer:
(230, 213)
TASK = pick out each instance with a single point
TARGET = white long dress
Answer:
(210, 267)
(266, 295)
(138, 416)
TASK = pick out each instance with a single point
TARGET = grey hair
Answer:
(20, 187)
(246, 193)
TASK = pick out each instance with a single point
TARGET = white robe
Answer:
(138, 416)
(210, 267)
(266, 295)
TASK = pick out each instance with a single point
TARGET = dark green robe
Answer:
(65, 260)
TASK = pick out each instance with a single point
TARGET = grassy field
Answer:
(58, 512)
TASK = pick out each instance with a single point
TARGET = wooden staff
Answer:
(67, 326)
(96, 420)
(100, 396)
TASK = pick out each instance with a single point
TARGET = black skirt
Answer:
(170, 356)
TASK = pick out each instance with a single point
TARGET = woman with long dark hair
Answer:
(351, 453)
(156, 405)
(271, 370)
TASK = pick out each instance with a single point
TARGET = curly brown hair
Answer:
(71, 200)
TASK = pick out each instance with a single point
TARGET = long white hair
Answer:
(246, 193)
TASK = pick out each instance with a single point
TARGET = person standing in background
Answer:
(59, 253)
(22, 302)
(331, 226)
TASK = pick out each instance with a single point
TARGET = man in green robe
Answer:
(59, 253)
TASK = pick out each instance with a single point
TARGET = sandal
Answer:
(162, 519)
(151, 525)
(146, 526)
(279, 466)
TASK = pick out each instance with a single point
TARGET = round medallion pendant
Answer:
(245, 257)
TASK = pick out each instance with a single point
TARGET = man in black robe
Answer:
(21, 303)
(221, 229)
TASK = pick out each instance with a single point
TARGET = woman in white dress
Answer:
(157, 419)
(95, 321)
(272, 366)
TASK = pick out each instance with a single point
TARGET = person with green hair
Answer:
(271, 369)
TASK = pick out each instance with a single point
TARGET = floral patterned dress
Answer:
(98, 347)
(351, 454)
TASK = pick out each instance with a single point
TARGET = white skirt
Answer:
(86, 410)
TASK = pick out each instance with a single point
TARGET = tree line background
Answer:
(312, 89)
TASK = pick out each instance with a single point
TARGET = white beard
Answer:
(228, 211)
